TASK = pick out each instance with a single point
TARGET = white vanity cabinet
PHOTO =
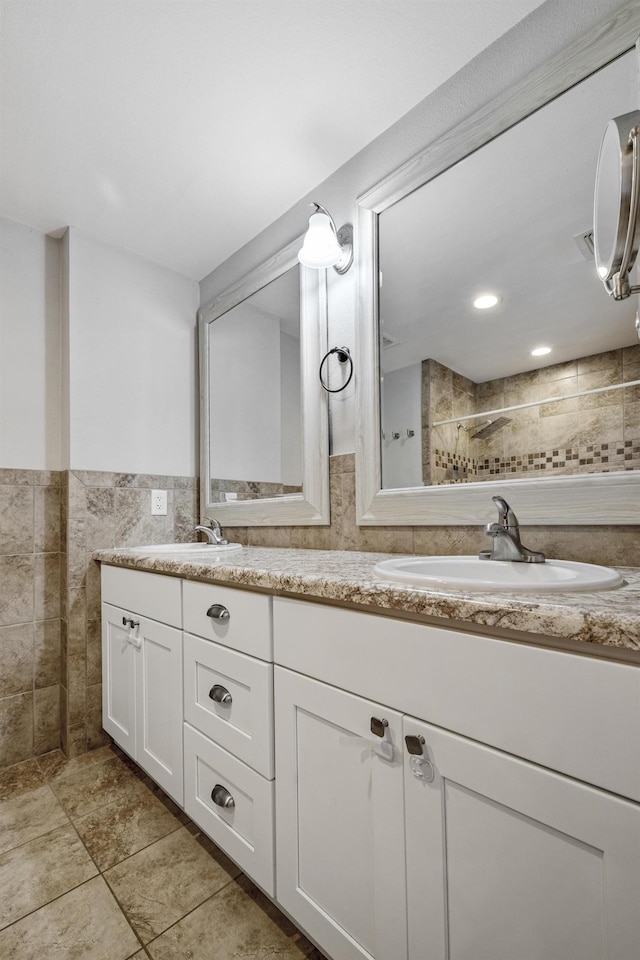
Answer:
(142, 671)
(500, 836)
(340, 826)
(507, 859)
(228, 730)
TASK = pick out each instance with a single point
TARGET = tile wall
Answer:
(595, 433)
(248, 489)
(614, 545)
(30, 615)
(101, 510)
(50, 647)
(50, 650)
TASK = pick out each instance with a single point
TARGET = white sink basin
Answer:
(472, 574)
(199, 549)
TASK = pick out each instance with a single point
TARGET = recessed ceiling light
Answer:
(486, 300)
(540, 351)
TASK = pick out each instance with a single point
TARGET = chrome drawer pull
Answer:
(221, 797)
(218, 612)
(220, 694)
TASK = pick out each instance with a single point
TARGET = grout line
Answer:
(53, 900)
(212, 896)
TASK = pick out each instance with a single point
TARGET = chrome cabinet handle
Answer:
(220, 694)
(129, 622)
(217, 612)
(221, 797)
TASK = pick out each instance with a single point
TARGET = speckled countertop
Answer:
(607, 617)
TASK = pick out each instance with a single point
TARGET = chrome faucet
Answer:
(213, 532)
(506, 537)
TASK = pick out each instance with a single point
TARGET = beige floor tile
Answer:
(20, 778)
(238, 922)
(40, 870)
(55, 766)
(29, 815)
(162, 883)
(117, 831)
(85, 924)
(85, 788)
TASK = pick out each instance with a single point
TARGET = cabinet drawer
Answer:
(229, 697)
(248, 628)
(245, 829)
(149, 594)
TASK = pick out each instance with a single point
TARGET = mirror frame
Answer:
(608, 498)
(312, 505)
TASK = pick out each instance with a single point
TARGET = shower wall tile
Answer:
(571, 435)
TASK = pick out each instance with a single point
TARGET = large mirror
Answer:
(527, 391)
(264, 441)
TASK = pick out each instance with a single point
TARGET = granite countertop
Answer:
(607, 617)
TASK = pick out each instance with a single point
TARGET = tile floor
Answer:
(96, 863)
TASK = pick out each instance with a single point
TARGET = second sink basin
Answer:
(473, 574)
(201, 549)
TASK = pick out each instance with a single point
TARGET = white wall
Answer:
(29, 349)
(542, 34)
(291, 409)
(132, 362)
(402, 410)
(244, 363)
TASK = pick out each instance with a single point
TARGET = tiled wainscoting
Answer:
(96, 862)
(30, 624)
(50, 650)
(50, 523)
(614, 545)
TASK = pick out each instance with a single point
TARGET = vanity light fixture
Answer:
(324, 245)
(486, 300)
(540, 351)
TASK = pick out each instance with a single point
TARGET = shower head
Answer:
(490, 427)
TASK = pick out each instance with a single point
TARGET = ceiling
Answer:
(179, 129)
(449, 241)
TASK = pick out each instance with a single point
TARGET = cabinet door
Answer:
(339, 819)
(509, 860)
(118, 678)
(159, 704)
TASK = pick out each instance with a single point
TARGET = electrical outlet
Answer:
(158, 503)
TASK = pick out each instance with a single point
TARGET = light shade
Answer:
(320, 248)
(486, 300)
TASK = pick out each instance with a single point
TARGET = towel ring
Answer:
(344, 356)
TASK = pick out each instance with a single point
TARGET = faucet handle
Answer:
(506, 516)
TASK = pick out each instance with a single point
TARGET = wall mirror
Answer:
(524, 397)
(264, 434)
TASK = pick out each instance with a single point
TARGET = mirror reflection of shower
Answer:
(487, 429)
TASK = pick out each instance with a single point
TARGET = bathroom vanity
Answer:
(383, 760)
